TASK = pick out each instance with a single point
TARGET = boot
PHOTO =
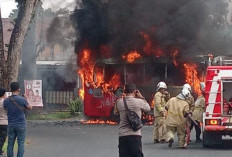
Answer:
(198, 140)
(156, 141)
(170, 142)
(162, 141)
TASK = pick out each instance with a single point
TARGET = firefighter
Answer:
(198, 112)
(178, 110)
(190, 101)
(160, 99)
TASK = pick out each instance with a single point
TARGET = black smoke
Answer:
(192, 26)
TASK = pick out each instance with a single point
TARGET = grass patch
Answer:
(4, 148)
(52, 116)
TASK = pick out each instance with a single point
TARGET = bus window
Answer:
(98, 75)
(134, 73)
(114, 69)
(154, 73)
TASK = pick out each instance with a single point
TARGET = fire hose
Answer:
(192, 120)
(188, 127)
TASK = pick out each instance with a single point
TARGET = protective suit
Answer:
(199, 109)
(190, 101)
(178, 109)
(198, 113)
(159, 114)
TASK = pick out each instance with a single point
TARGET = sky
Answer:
(8, 5)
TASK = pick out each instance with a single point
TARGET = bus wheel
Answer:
(113, 117)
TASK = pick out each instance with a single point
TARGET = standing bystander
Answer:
(16, 106)
(130, 144)
(3, 121)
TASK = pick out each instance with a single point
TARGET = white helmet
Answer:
(186, 93)
(161, 85)
(187, 86)
(202, 85)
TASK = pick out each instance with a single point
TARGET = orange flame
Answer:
(97, 121)
(132, 56)
(99, 77)
(148, 46)
(149, 49)
(192, 77)
(174, 55)
(86, 73)
(114, 82)
(149, 118)
(86, 70)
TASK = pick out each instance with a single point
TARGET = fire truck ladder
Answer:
(223, 62)
(216, 102)
(227, 62)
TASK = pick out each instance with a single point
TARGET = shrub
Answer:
(75, 105)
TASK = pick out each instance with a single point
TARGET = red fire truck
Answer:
(217, 118)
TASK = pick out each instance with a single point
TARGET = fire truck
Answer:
(217, 118)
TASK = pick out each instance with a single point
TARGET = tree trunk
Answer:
(2, 56)
(26, 9)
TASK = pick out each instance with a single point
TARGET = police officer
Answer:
(178, 110)
(160, 99)
(198, 112)
(130, 143)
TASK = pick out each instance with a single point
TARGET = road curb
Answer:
(35, 123)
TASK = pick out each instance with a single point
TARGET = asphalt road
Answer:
(102, 141)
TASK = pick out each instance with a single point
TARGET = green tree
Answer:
(9, 66)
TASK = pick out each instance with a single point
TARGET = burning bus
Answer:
(103, 79)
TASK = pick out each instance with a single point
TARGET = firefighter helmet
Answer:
(202, 85)
(186, 93)
(161, 85)
(187, 86)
